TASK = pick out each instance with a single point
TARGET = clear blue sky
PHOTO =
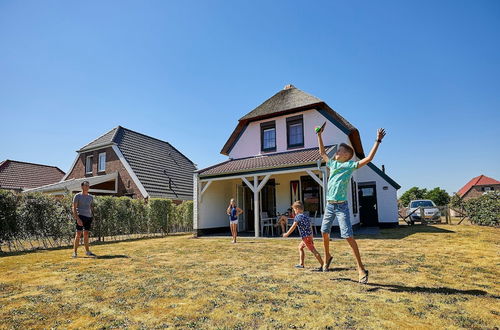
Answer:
(185, 71)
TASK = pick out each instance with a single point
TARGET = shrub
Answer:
(484, 210)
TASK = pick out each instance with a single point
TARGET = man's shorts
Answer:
(87, 223)
(341, 212)
(307, 242)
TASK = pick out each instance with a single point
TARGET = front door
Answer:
(367, 195)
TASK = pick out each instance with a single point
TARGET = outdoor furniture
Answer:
(266, 223)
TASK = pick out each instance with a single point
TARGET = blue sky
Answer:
(185, 71)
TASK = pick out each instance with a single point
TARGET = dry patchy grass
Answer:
(423, 276)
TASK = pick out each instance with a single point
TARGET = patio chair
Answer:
(266, 223)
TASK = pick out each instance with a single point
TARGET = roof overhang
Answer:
(75, 184)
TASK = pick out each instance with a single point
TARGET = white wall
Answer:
(213, 205)
(387, 203)
(249, 143)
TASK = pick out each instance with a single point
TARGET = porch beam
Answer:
(205, 187)
(252, 188)
(263, 183)
(315, 177)
(264, 172)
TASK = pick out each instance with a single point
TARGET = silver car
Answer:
(430, 211)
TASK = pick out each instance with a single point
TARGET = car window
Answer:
(422, 204)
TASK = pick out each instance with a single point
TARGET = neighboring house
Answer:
(126, 163)
(478, 186)
(19, 176)
(274, 160)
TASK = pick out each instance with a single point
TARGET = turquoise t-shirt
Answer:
(340, 173)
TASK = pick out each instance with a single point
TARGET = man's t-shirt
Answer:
(304, 224)
(340, 173)
(83, 204)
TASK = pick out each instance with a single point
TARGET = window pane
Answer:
(88, 164)
(269, 138)
(102, 162)
(295, 134)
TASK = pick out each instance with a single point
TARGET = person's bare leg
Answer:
(355, 250)
(326, 244)
(235, 228)
(76, 243)
(302, 255)
(86, 240)
(318, 257)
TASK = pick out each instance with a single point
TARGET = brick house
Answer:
(123, 162)
(19, 176)
(478, 186)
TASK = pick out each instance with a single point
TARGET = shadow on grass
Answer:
(419, 289)
(405, 231)
(112, 256)
(93, 243)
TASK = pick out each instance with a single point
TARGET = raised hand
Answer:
(380, 134)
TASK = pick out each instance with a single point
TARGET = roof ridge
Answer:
(97, 138)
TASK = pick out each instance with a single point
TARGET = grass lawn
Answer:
(421, 276)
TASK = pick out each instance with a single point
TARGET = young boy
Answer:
(341, 167)
(304, 223)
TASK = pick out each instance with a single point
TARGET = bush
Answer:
(8, 216)
(484, 210)
(160, 210)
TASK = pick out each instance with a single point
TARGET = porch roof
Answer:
(288, 159)
(75, 184)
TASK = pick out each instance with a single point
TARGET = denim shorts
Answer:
(341, 212)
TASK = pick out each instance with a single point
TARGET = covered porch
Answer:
(263, 196)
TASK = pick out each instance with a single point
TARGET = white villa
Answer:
(274, 160)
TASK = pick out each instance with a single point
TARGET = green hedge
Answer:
(483, 210)
(29, 221)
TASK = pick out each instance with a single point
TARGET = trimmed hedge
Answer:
(29, 221)
(483, 210)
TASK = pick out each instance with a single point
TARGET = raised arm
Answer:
(322, 151)
(366, 160)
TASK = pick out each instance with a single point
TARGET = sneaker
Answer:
(90, 254)
(299, 266)
(74, 255)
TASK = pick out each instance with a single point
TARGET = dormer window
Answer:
(88, 164)
(268, 136)
(295, 131)
(101, 166)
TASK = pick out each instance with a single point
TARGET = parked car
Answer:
(431, 212)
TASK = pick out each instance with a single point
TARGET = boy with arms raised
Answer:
(341, 168)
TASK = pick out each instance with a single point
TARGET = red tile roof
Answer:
(481, 180)
(277, 160)
(22, 175)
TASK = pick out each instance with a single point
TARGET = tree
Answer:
(438, 196)
(411, 194)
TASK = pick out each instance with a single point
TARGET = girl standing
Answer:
(233, 211)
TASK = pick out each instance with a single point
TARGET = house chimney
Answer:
(289, 86)
(383, 168)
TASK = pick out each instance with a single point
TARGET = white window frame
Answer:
(91, 164)
(103, 168)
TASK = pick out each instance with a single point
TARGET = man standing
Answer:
(83, 209)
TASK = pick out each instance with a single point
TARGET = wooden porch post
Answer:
(256, 217)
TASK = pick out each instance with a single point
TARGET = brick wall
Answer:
(477, 191)
(126, 185)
